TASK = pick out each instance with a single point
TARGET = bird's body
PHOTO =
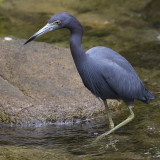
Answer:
(108, 75)
(104, 72)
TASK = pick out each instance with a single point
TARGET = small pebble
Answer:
(158, 37)
(7, 38)
(95, 134)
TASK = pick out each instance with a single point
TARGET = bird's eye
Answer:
(58, 22)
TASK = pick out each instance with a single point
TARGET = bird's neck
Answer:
(76, 48)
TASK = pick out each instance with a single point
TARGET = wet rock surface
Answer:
(40, 84)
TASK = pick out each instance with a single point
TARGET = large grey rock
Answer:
(40, 84)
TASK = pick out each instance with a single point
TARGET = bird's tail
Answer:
(148, 96)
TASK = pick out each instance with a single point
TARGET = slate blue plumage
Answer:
(110, 76)
(104, 72)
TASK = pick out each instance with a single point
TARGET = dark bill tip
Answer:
(30, 39)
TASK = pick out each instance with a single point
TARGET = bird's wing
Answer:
(117, 72)
(122, 78)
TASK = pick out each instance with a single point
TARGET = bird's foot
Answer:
(112, 144)
(103, 135)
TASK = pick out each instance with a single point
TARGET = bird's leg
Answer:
(130, 118)
(111, 124)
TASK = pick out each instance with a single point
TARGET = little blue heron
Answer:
(104, 72)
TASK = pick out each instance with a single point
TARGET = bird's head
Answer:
(58, 21)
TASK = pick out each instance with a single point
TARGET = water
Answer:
(133, 29)
(138, 140)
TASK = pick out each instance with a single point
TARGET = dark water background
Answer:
(132, 28)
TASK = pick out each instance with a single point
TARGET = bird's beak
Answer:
(48, 27)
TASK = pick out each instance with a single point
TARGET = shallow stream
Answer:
(132, 28)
